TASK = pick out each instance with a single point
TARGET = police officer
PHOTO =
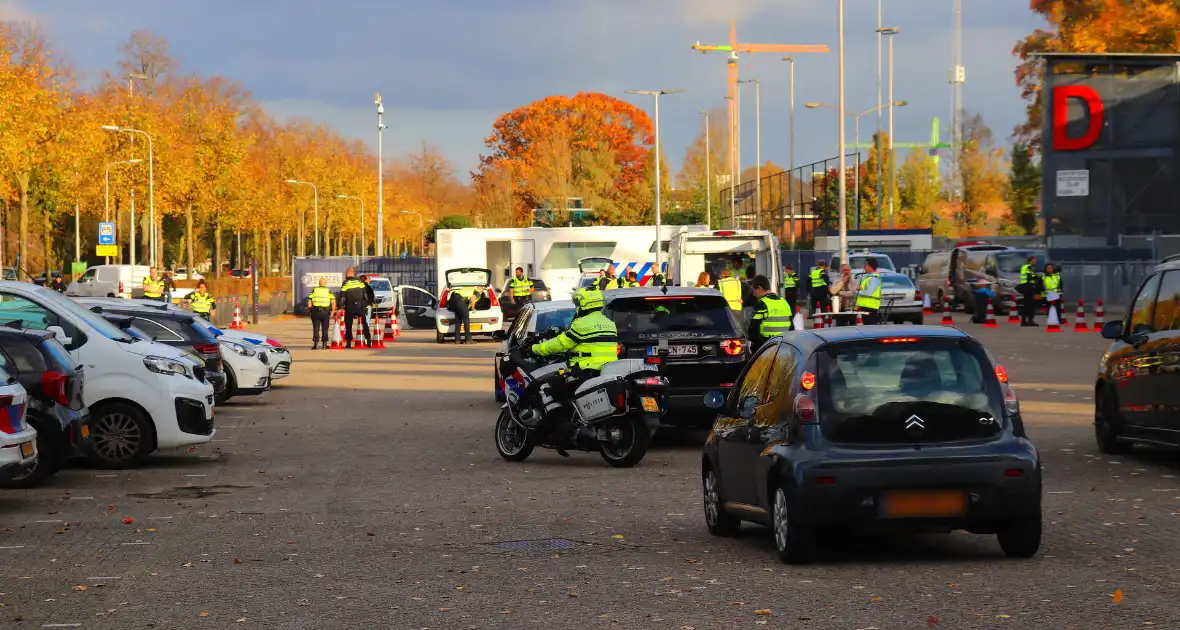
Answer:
(460, 302)
(772, 316)
(354, 299)
(591, 341)
(1028, 292)
(370, 297)
(631, 281)
(1053, 288)
(521, 287)
(868, 297)
(320, 303)
(608, 279)
(790, 286)
(818, 283)
(750, 300)
(153, 287)
(201, 302)
(731, 289)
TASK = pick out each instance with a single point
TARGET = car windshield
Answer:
(56, 301)
(870, 389)
(380, 284)
(468, 277)
(1011, 262)
(858, 262)
(672, 313)
(558, 317)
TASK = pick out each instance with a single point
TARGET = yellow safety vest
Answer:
(1053, 283)
(152, 288)
(872, 300)
(1027, 275)
(818, 277)
(201, 303)
(773, 316)
(790, 280)
(521, 286)
(321, 297)
(731, 290)
(610, 283)
(629, 284)
(591, 340)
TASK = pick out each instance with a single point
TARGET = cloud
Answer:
(14, 11)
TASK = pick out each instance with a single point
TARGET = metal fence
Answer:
(414, 271)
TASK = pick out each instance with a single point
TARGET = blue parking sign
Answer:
(106, 233)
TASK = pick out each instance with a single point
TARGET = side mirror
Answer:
(714, 400)
(60, 333)
(500, 335)
(748, 407)
(1112, 330)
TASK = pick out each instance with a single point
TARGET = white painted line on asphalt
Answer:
(1060, 492)
(81, 498)
(48, 521)
(13, 547)
(106, 577)
(159, 518)
(1164, 489)
(208, 457)
(196, 475)
(228, 426)
(219, 440)
(106, 476)
(135, 543)
(61, 625)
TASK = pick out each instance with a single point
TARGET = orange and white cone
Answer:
(1099, 316)
(237, 323)
(1079, 323)
(378, 335)
(1054, 321)
(1013, 313)
(818, 319)
(860, 318)
(946, 311)
(990, 321)
(387, 333)
(337, 334)
(927, 309)
(827, 319)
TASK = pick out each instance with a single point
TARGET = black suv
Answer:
(707, 347)
(906, 428)
(1137, 391)
(53, 382)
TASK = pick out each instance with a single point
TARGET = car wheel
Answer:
(122, 436)
(513, 442)
(498, 385)
(1020, 539)
(438, 337)
(719, 521)
(1107, 423)
(792, 540)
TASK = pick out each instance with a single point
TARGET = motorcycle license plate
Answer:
(595, 404)
(650, 404)
(28, 449)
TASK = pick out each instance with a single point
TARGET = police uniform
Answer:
(818, 286)
(320, 306)
(731, 290)
(202, 304)
(591, 340)
(607, 282)
(771, 318)
(354, 299)
(1052, 282)
(153, 289)
(1028, 294)
(868, 297)
(522, 289)
(628, 283)
(459, 303)
(791, 287)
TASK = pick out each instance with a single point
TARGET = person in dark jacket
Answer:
(370, 297)
(58, 284)
(354, 298)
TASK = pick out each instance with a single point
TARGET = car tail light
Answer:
(732, 347)
(653, 360)
(900, 340)
(53, 385)
(917, 294)
(273, 342)
(948, 281)
(618, 349)
(807, 381)
(1014, 472)
(494, 320)
(120, 287)
(650, 381)
(9, 424)
(805, 409)
(207, 348)
(724, 233)
(825, 481)
(620, 401)
(1011, 402)
(1001, 374)
(442, 301)
(492, 296)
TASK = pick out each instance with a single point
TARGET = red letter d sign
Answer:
(1061, 96)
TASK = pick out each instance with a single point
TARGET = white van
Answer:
(690, 253)
(142, 395)
(122, 281)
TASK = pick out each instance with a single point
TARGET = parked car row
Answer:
(114, 380)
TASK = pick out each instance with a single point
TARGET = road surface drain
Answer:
(187, 492)
(543, 544)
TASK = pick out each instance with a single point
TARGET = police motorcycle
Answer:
(615, 413)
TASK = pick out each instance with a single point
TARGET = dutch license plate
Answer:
(476, 327)
(28, 449)
(594, 403)
(650, 404)
(683, 351)
(924, 504)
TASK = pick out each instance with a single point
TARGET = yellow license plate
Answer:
(85, 430)
(476, 327)
(924, 504)
(27, 449)
(650, 404)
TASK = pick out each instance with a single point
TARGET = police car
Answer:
(486, 318)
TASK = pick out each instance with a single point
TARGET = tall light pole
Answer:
(380, 178)
(857, 117)
(421, 232)
(107, 177)
(151, 186)
(316, 205)
(880, 103)
(364, 247)
(791, 172)
(708, 176)
(841, 185)
(890, 32)
(659, 233)
(757, 149)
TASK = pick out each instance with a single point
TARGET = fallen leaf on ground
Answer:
(81, 588)
(571, 594)
(460, 588)
(240, 620)
(617, 536)
(128, 520)
(237, 561)
(931, 622)
(203, 614)
(443, 609)
(523, 569)
(1117, 596)
(764, 611)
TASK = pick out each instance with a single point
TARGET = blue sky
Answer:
(448, 68)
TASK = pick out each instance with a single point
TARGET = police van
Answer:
(690, 253)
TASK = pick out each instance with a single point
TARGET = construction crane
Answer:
(931, 147)
(732, 49)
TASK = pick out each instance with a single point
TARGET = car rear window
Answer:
(905, 391)
(669, 313)
(380, 284)
(896, 282)
(57, 356)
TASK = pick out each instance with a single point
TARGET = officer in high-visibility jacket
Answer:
(354, 299)
(790, 286)
(591, 341)
(630, 282)
(320, 303)
(153, 286)
(1053, 288)
(818, 283)
(731, 289)
(520, 289)
(608, 279)
(772, 316)
(1029, 282)
(868, 296)
(201, 302)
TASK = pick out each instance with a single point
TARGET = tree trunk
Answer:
(22, 181)
(188, 235)
(217, 248)
(302, 238)
(266, 251)
(47, 241)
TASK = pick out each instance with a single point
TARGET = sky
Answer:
(448, 68)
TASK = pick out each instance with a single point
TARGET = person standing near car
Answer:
(772, 316)
(750, 299)
(608, 279)
(168, 286)
(521, 287)
(1028, 292)
(370, 297)
(790, 286)
(460, 302)
(631, 282)
(731, 289)
(201, 302)
(868, 297)
(58, 284)
(354, 298)
(320, 303)
(153, 287)
(1053, 288)
(818, 287)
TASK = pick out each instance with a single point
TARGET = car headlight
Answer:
(163, 365)
(240, 349)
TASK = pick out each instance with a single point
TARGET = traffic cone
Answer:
(818, 317)
(397, 327)
(927, 309)
(990, 321)
(1079, 322)
(378, 335)
(946, 311)
(337, 334)
(1013, 313)
(827, 319)
(387, 333)
(1054, 321)
(1099, 317)
(860, 318)
(237, 324)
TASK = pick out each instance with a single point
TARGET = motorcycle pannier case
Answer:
(600, 397)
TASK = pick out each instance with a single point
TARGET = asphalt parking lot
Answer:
(365, 491)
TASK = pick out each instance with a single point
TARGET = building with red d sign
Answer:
(1110, 134)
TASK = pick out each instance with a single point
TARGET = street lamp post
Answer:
(841, 185)
(421, 232)
(316, 205)
(757, 149)
(890, 32)
(791, 167)
(151, 187)
(708, 176)
(659, 233)
(107, 177)
(380, 178)
(364, 246)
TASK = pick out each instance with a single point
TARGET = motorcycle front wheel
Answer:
(627, 438)
(513, 442)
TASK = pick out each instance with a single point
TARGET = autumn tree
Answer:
(874, 188)
(693, 176)
(1024, 189)
(919, 190)
(1098, 26)
(982, 169)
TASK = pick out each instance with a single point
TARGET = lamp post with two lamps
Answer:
(659, 233)
(107, 211)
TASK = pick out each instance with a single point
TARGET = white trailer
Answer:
(552, 253)
(690, 253)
